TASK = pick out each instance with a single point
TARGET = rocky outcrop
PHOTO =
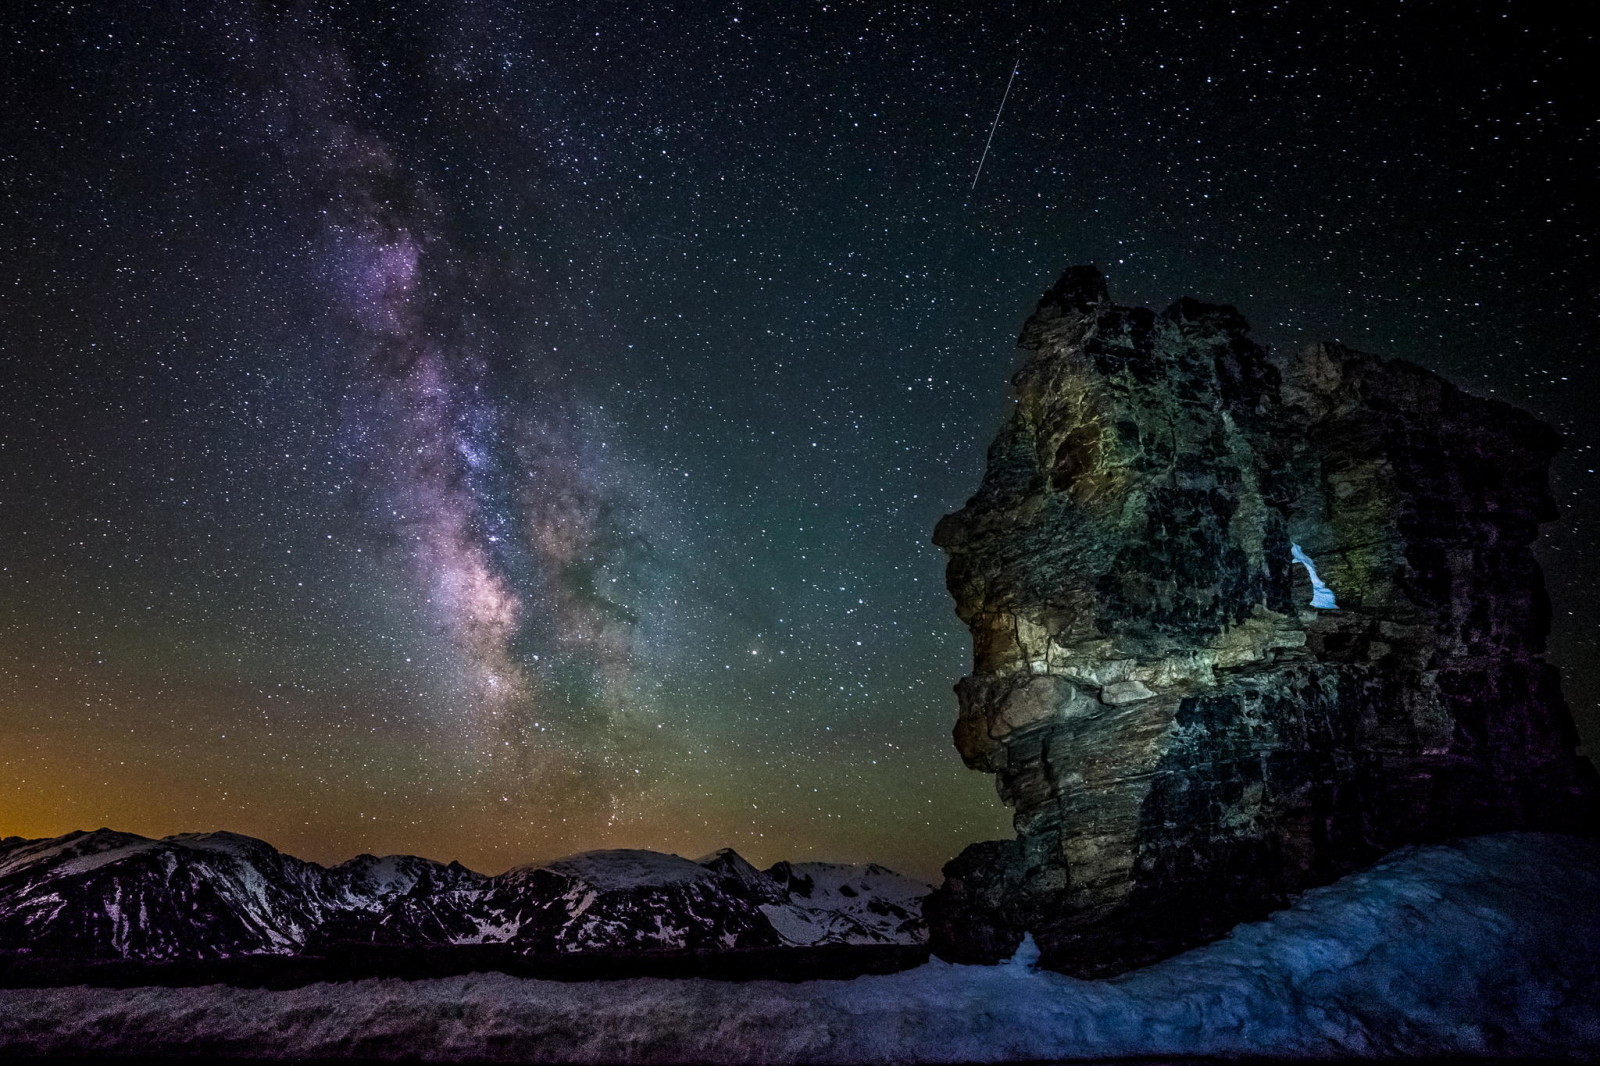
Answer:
(1185, 739)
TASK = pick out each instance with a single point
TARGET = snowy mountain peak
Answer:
(384, 877)
(726, 862)
(721, 856)
(66, 856)
(620, 869)
(222, 842)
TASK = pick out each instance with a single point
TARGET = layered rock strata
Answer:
(1185, 740)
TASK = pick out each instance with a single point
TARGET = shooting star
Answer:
(996, 123)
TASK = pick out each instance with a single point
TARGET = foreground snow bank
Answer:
(1487, 946)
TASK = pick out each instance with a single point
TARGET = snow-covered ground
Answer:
(1488, 946)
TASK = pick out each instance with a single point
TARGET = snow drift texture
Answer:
(1483, 946)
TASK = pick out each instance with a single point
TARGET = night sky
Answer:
(491, 430)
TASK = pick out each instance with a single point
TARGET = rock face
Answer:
(109, 895)
(1185, 740)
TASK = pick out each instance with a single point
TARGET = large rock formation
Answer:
(1185, 739)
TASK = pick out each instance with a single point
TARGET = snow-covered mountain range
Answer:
(110, 895)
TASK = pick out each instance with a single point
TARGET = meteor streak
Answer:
(996, 123)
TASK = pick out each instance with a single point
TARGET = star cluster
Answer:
(489, 430)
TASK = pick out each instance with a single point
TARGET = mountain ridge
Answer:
(106, 894)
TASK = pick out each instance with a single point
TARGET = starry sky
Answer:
(490, 430)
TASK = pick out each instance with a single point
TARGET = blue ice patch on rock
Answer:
(1321, 594)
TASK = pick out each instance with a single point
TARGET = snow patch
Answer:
(800, 926)
(1481, 947)
(82, 864)
(1322, 596)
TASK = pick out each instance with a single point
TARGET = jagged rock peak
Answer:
(1241, 623)
(1080, 289)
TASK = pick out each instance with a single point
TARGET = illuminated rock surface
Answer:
(1185, 739)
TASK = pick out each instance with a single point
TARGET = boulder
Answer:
(1185, 739)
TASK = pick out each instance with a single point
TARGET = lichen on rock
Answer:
(1185, 740)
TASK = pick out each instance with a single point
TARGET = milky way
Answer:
(489, 430)
(483, 476)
